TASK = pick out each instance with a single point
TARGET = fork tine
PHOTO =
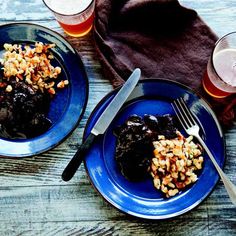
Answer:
(183, 113)
(188, 112)
(179, 115)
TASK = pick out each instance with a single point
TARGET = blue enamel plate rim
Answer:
(79, 112)
(122, 208)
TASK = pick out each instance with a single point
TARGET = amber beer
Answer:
(220, 77)
(74, 16)
(79, 29)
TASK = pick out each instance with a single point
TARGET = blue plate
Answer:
(141, 199)
(67, 107)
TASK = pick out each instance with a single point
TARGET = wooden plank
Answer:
(219, 15)
(79, 201)
(116, 227)
(24, 10)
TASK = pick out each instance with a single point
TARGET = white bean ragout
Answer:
(31, 65)
(175, 163)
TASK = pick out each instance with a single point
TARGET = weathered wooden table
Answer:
(35, 201)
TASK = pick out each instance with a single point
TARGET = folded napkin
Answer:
(163, 38)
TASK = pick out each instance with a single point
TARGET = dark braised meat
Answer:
(134, 148)
(23, 112)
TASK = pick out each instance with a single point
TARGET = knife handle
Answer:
(76, 160)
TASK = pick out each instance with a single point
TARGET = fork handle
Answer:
(229, 186)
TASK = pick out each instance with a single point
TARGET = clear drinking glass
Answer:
(220, 77)
(74, 16)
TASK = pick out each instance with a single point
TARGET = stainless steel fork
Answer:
(191, 127)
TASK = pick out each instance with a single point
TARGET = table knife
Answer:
(102, 124)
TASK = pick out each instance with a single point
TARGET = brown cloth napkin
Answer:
(163, 38)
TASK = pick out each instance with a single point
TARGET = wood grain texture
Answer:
(35, 201)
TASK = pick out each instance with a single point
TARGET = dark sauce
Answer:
(134, 148)
(23, 112)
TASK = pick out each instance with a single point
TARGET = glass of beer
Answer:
(74, 16)
(220, 77)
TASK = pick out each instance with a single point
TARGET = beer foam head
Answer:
(68, 7)
(225, 65)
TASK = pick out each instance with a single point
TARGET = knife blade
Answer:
(102, 123)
